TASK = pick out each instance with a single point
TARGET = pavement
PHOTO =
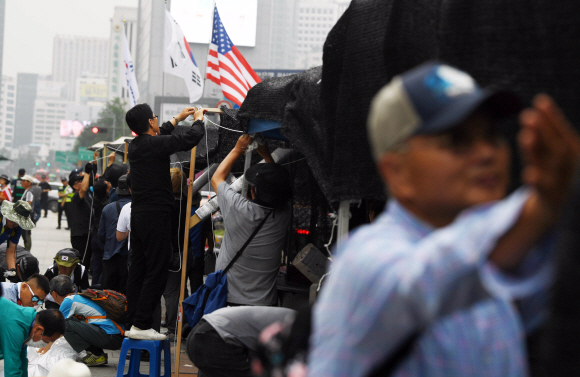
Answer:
(46, 241)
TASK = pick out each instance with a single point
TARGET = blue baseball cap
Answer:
(428, 99)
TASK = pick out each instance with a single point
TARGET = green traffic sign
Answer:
(85, 155)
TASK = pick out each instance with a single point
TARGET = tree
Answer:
(112, 118)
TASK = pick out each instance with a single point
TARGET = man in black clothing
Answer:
(151, 210)
(80, 213)
(17, 189)
(45, 186)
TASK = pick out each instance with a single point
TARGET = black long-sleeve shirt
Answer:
(149, 160)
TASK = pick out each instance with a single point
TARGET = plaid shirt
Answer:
(399, 275)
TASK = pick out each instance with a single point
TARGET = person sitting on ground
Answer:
(5, 190)
(252, 278)
(21, 327)
(15, 218)
(222, 343)
(30, 293)
(151, 210)
(87, 334)
(67, 263)
(116, 252)
(26, 264)
(453, 277)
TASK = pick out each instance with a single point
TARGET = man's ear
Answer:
(392, 167)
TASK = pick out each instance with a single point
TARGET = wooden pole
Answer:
(105, 159)
(184, 263)
(125, 156)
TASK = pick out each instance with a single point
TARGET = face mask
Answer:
(39, 344)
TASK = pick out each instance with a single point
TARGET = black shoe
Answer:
(58, 227)
(66, 228)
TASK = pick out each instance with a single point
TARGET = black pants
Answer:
(171, 294)
(115, 273)
(44, 205)
(150, 255)
(214, 357)
(97, 248)
(27, 238)
(85, 336)
(64, 209)
(83, 245)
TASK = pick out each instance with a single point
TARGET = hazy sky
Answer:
(30, 27)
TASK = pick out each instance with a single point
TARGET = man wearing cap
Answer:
(65, 193)
(26, 265)
(30, 293)
(252, 278)
(15, 218)
(116, 252)
(26, 328)
(45, 187)
(80, 211)
(27, 196)
(36, 194)
(67, 262)
(5, 191)
(450, 279)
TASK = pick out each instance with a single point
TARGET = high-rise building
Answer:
(7, 111)
(124, 21)
(2, 15)
(75, 57)
(26, 86)
(48, 112)
(313, 19)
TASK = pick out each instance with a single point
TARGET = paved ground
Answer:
(46, 241)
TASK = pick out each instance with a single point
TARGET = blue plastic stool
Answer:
(155, 347)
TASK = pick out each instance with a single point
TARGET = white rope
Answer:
(331, 235)
(225, 128)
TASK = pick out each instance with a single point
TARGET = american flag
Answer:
(226, 66)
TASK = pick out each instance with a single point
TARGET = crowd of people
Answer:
(449, 280)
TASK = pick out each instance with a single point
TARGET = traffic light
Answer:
(48, 164)
(99, 130)
(37, 164)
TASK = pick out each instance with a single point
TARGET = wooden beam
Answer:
(184, 263)
(125, 155)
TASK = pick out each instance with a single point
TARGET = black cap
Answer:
(74, 178)
(28, 265)
(123, 187)
(271, 183)
(5, 177)
(42, 176)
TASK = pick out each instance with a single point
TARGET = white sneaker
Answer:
(148, 334)
(126, 334)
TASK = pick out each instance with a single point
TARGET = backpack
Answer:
(114, 304)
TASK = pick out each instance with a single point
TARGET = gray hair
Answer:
(62, 285)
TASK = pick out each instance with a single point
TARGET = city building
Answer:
(75, 57)
(124, 20)
(2, 16)
(26, 88)
(7, 111)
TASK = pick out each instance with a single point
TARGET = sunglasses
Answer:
(154, 117)
(35, 298)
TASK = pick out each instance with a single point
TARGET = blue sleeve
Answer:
(15, 236)
(65, 307)
(387, 296)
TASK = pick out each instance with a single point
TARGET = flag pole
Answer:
(186, 235)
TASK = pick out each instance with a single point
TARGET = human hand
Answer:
(242, 144)
(112, 158)
(185, 113)
(550, 149)
(95, 157)
(198, 114)
(45, 349)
